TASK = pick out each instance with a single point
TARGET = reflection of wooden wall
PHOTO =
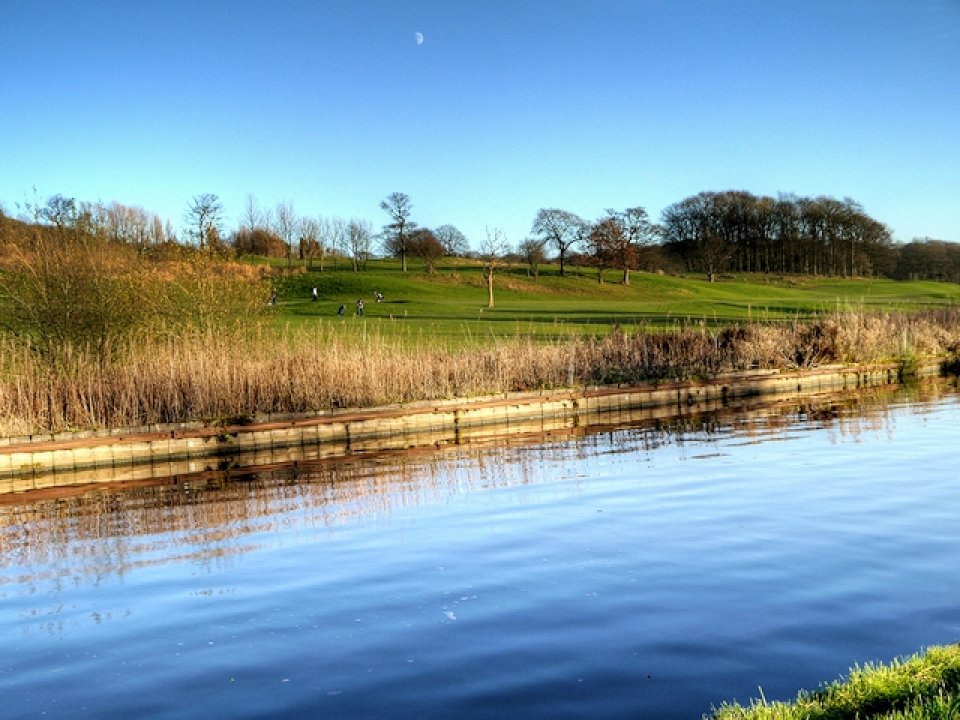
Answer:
(209, 516)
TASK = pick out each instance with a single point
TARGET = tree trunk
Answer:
(489, 288)
(626, 276)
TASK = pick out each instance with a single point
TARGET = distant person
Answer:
(273, 298)
(342, 310)
(359, 307)
(314, 294)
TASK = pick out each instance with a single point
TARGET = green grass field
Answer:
(451, 304)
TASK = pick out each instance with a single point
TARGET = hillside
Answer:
(452, 302)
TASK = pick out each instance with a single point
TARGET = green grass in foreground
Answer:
(925, 686)
(450, 306)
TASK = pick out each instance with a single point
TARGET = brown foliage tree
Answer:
(427, 246)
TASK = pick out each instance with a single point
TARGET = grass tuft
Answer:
(925, 686)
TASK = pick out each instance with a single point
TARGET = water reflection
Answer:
(53, 539)
(639, 569)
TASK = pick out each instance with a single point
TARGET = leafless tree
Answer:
(359, 235)
(561, 229)
(395, 233)
(334, 231)
(286, 224)
(128, 224)
(532, 252)
(254, 216)
(454, 242)
(204, 217)
(310, 235)
(491, 251)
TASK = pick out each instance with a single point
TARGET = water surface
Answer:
(648, 572)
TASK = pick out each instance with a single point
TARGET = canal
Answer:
(647, 570)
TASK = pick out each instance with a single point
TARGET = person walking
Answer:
(359, 307)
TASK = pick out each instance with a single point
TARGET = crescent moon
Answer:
(419, 38)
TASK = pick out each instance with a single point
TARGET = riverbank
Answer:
(925, 686)
(29, 463)
(232, 377)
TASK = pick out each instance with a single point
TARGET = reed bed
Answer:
(227, 376)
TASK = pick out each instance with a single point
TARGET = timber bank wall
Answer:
(35, 462)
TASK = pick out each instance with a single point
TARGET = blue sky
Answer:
(505, 108)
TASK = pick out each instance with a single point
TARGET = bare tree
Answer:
(310, 234)
(254, 216)
(532, 252)
(204, 218)
(156, 235)
(454, 242)
(285, 223)
(129, 224)
(395, 233)
(561, 229)
(334, 230)
(359, 235)
(491, 251)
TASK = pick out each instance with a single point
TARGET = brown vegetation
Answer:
(216, 374)
(69, 290)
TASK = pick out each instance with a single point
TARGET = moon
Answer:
(419, 38)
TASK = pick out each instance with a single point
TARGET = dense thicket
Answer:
(75, 282)
(734, 230)
(926, 259)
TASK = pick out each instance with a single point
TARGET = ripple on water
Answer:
(632, 573)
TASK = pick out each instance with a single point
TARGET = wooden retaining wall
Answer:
(30, 463)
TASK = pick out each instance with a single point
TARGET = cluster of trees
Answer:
(711, 232)
(715, 231)
(281, 232)
(928, 259)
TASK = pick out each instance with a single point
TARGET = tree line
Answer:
(709, 233)
(715, 231)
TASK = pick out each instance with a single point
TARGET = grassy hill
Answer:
(451, 304)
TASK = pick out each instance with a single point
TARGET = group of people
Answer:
(342, 310)
(378, 296)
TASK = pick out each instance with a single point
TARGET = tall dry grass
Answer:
(219, 375)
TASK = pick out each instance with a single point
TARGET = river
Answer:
(647, 571)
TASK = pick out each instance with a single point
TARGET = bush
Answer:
(66, 290)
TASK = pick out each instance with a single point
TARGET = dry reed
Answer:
(219, 376)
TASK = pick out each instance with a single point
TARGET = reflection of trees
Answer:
(210, 517)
